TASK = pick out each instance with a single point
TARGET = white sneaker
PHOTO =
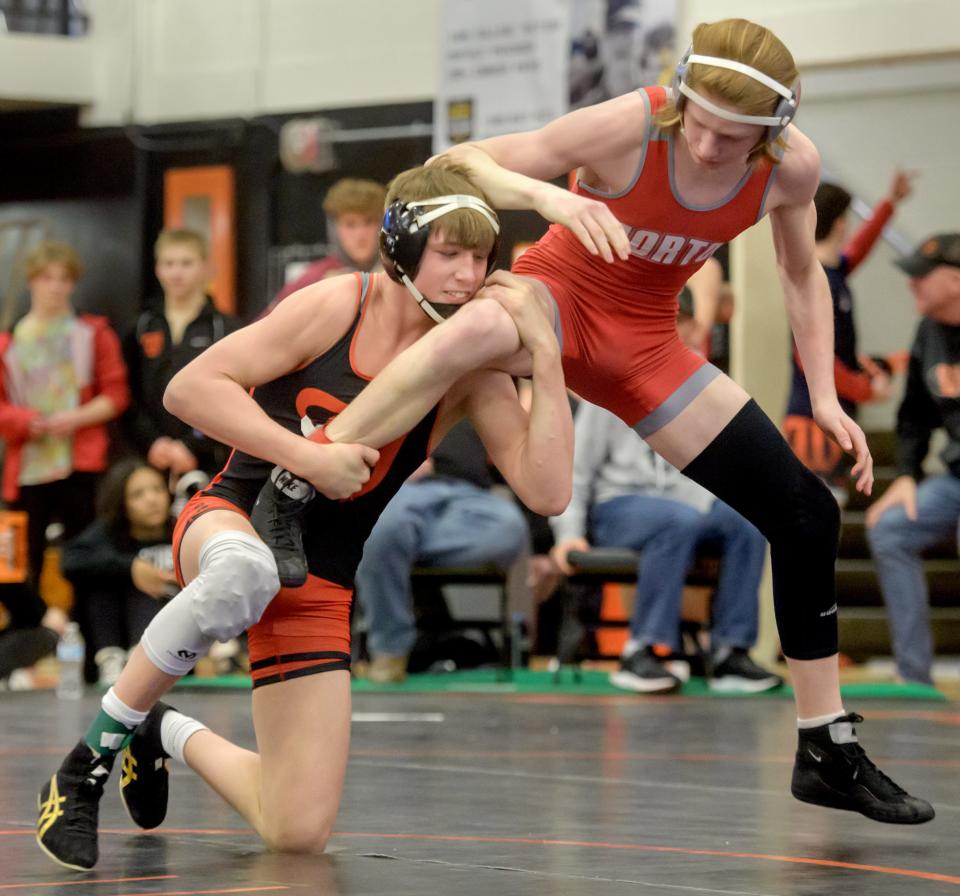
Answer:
(110, 662)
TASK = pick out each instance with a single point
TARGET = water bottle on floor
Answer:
(70, 654)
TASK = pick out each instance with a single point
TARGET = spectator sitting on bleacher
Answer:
(355, 207)
(444, 515)
(121, 566)
(627, 496)
(909, 518)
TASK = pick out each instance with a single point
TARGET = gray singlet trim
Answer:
(677, 402)
(557, 326)
(648, 127)
(738, 186)
(773, 176)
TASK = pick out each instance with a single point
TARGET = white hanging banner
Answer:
(619, 45)
(503, 68)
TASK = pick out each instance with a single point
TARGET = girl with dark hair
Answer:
(121, 566)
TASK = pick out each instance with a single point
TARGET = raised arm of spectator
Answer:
(862, 242)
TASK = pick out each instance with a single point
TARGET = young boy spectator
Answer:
(167, 336)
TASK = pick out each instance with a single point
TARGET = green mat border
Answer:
(592, 683)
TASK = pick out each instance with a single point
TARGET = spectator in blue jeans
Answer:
(446, 516)
(627, 496)
(911, 517)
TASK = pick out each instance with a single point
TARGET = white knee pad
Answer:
(239, 578)
(172, 641)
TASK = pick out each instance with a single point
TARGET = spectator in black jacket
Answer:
(167, 336)
(121, 566)
(910, 518)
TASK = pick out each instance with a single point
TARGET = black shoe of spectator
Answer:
(733, 672)
(644, 673)
(277, 517)
(144, 779)
(832, 770)
(69, 808)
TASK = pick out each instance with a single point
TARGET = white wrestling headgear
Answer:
(776, 123)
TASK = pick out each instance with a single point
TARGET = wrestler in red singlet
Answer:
(620, 343)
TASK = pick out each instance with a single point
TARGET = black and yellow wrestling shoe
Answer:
(69, 808)
(144, 778)
(832, 770)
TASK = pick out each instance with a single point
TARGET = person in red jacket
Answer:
(62, 378)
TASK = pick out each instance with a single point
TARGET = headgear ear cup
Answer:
(401, 241)
(406, 228)
(786, 110)
(776, 123)
(679, 73)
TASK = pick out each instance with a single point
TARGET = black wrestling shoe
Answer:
(69, 808)
(277, 517)
(832, 770)
(144, 779)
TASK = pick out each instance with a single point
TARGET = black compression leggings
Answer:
(750, 466)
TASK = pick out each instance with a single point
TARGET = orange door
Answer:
(202, 199)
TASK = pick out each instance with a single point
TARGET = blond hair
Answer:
(356, 196)
(464, 227)
(753, 45)
(53, 252)
(180, 236)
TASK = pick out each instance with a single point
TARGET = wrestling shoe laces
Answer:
(833, 770)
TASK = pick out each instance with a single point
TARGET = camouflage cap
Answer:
(942, 248)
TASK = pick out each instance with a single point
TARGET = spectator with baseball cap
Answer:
(918, 512)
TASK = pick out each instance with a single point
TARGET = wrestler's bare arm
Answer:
(807, 294)
(212, 392)
(605, 139)
(532, 449)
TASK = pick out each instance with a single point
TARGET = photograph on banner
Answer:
(619, 45)
(503, 68)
